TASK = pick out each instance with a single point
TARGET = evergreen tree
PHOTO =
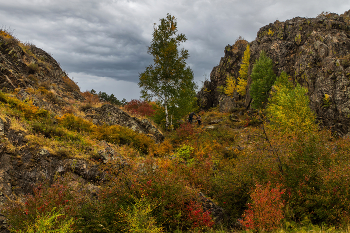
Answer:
(263, 78)
(168, 79)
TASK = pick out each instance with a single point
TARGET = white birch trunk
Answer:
(166, 114)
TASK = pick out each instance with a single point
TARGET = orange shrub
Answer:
(90, 98)
(265, 213)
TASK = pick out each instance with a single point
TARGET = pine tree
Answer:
(263, 78)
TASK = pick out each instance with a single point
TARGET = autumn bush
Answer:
(75, 123)
(46, 201)
(25, 110)
(313, 186)
(122, 135)
(49, 222)
(186, 130)
(265, 212)
(90, 98)
(163, 186)
(140, 107)
(5, 34)
(200, 220)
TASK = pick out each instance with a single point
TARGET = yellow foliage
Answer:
(5, 34)
(289, 109)
(163, 148)
(241, 86)
(270, 32)
(243, 72)
(230, 86)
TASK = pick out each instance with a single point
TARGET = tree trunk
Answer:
(166, 114)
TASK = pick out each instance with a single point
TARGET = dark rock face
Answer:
(23, 168)
(211, 95)
(315, 52)
(112, 115)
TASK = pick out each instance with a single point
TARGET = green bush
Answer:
(75, 123)
(122, 135)
(288, 108)
(49, 222)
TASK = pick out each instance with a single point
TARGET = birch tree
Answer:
(169, 77)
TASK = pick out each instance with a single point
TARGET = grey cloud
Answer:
(108, 39)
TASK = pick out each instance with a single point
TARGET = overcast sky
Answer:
(102, 44)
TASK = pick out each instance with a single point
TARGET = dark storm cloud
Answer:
(103, 43)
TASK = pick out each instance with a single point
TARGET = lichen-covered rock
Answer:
(315, 52)
(112, 115)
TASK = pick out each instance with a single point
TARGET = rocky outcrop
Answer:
(315, 52)
(31, 69)
(23, 167)
(112, 115)
(211, 95)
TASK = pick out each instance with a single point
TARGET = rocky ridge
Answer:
(31, 75)
(315, 52)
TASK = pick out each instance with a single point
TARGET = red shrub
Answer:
(201, 220)
(185, 130)
(265, 213)
(44, 199)
(138, 107)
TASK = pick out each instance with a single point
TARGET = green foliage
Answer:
(288, 108)
(122, 135)
(185, 152)
(26, 110)
(263, 77)
(152, 194)
(75, 123)
(48, 222)
(33, 67)
(169, 79)
(109, 98)
(139, 218)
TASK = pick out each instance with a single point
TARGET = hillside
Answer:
(73, 163)
(312, 51)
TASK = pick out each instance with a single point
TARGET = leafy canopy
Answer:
(288, 108)
(263, 78)
(169, 79)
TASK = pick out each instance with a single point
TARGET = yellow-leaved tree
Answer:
(243, 73)
(230, 86)
(288, 109)
(240, 85)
